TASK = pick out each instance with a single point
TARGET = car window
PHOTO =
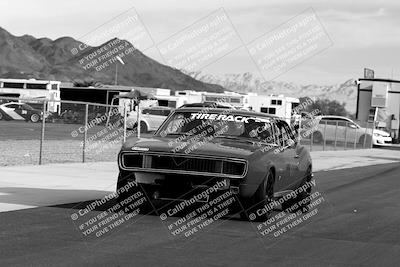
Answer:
(166, 112)
(240, 126)
(26, 107)
(284, 133)
(13, 106)
(156, 112)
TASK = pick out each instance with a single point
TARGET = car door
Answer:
(156, 118)
(327, 128)
(352, 133)
(341, 129)
(21, 111)
(287, 157)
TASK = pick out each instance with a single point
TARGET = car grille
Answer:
(174, 163)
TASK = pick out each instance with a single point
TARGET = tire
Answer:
(143, 127)
(262, 197)
(317, 138)
(123, 178)
(1, 116)
(302, 205)
(34, 118)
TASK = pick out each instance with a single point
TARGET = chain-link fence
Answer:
(77, 132)
(41, 131)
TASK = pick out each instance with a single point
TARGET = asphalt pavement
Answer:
(356, 224)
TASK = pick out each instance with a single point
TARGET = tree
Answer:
(325, 106)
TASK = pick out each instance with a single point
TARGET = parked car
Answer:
(151, 118)
(255, 154)
(342, 129)
(19, 111)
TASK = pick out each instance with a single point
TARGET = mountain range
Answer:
(43, 58)
(247, 82)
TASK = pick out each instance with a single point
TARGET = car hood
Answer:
(217, 147)
(380, 132)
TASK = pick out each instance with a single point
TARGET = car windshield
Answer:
(233, 126)
(26, 107)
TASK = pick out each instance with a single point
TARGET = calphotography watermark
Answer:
(103, 216)
(289, 45)
(282, 222)
(198, 210)
(201, 43)
(109, 43)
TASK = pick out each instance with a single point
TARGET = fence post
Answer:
(138, 119)
(124, 137)
(311, 140)
(42, 132)
(365, 135)
(372, 135)
(326, 122)
(299, 132)
(345, 135)
(85, 132)
(337, 124)
(355, 137)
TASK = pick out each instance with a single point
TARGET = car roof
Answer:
(158, 107)
(333, 117)
(207, 105)
(231, 111)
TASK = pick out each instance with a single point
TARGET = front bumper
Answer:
(382, 140)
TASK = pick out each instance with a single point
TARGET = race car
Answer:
(19, 111)
(255, 156)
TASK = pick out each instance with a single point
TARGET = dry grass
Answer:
(24, 152)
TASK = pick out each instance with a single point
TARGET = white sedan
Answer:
(343, 129)
(150, 119)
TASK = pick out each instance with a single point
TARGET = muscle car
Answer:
(253, 155)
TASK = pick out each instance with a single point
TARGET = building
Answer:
(33, 90)
(231, 98)
(278, 105)
(377, 101)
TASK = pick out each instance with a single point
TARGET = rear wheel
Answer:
(365, 139)
(317, 138)
(35, 117)
(143, 127)
(255, 206)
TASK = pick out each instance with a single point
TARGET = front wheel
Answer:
(257, 207)
(140, 191)
(35, 118)
(302, 199)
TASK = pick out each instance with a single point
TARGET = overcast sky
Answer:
(364, 33)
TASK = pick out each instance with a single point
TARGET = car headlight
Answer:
(378, 135)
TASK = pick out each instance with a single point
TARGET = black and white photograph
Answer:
(199, 133)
